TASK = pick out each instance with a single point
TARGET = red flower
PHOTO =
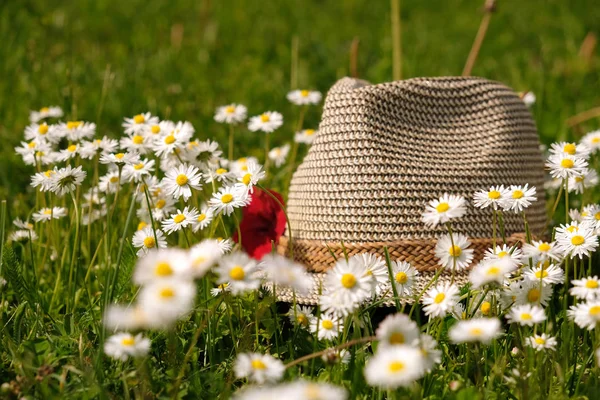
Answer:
(263, 222)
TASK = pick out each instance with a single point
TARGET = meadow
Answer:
(70, 281)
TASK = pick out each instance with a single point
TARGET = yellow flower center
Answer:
(181, 179)
(595, 310)
(44, 110)
(578, 179)
(114, 179)
(31, 145)
(541, 274)
(244, 168)
(161, 203)
(265, 118)
(455, 251)
(493, 270)
(401, 277)
(201, 217)
(139, 166)
(48, 212)
(155, 129)
(348, 281)
(74, 124)
(119, 156)
(476, 331)
(486, 307)
(572, 229)
(591, 284)
(533, 296)
(539, 340)
(162, 268)
(226, 198)
(178, 218)
(309, 132)
(304, 93)
(139, 119)
(237, 273)
(166, 293)
(494, 194)
(439, 298)
(397, 338)
(72, 148)
(170, 139)
(141, 225)
(570, 148)
(442, 207)
(596, 140)
(526, 316)
(597, 216)
(230, 109)
(258, 364)
(577, 240)
(567, 163)
(43, 129)
(517, 194)
(221, 171)
(327, 324)
(149, 242)
(48, 173)
(301, 319)
(247, 179)
(544, 247)
(395, 366)
(128, 341)
(137, 139)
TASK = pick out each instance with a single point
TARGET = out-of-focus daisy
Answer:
(259, 368)
(166, 300)
(119, 159)
(223, 287)
(42, 131)
(586, 315)
(431, 354)
(404, 277)
(444, 209)
(528, 98)
(541, 342)
(227, 199)
(130, 317)
(218, 173)
(251, 176)
(580, 184)
(520, 197)
(566, 166)
(203, 256)
(180, 220)
(286, 273)
(161, 264)
(482, 330)
(397, 329)
(541, 251)
(454, 252)
(592, 219)
(139, 122)
(22, 235)
(175, 140)
(138, 143)
(347, 284)
(526, 315)
(75, 131)
(138, 171)
(46, 214)
(231, 114)
(45, 112)
(110, 182)
(395, 367)
(305, 390)
(240, 166)
(279, 154)
(225, 245)
(376, 269)
(533, 293)
(304, 97)
(334, 356)
(580, 242)
(203, 220)
(121, 346)
(306, 136)
(440, 299)
(301, 316)
(43, 180)
(70, 152)
(239, 271)
(586, 288)
(327, 326)
(496, 196)
(484, 304)
(548, 275)
(510, 254)
(490, 272)
(266, 122)
(592, 140)
(145, 240)
(180, 181)
(570, 149)
(23, 224)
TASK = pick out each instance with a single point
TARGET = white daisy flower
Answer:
(327, 326)
(566, 166)
(45, 112)
(440, 300)
(266, 122)
(278, 155)
(510, 254)
(580, 242)
(284, 272)
(484, 305)
(155, 130)
(137, 143)
(541, 251)
(592, 217)
(23, 224)
(586, 288)
(592, 140)
(404, 277)
(216, 173)
(225, 245)
(586, 315)
(377, 270)
(304, 97)
(348, 284)
(444, 209)
(496, 197)
(548, 275)
(119, 159)
(306, 136)
(75, 131)
(398, 366)
(587, 180)
(431, 354)
(456, 255)
(528, 98)
(137, 172)
(240, 271)
(43, 180)
(541, 342)
(130, 317)
(165, 300)
(203, 220)
(161, 264)
(175, 140)
(397, 329)
(70, 152)
(240, 166)
(22, 235)
(203, 256)
(110, 182)
(144, 240)
(301, 316)
(490, 272)
(482, 330)
(231, 114)
(520, 197)
(89, 149)
(139, 122)
(570, 149)
(180, 220)
(259, 368)
(227, 199)
(251, 176)
(333, 356)
(121, 346)
(305, 390)
(509, 293)
(46, 214)
(42, 131)
(526, 315)
(532, 293)
(180, 181)
(223, 287)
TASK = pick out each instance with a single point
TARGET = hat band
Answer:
(319, 256)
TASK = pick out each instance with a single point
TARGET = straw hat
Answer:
(384, 151)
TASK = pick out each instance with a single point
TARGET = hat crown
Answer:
(384, 151)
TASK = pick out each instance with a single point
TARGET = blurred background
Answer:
(102, 60)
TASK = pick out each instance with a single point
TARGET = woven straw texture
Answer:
(384, 151)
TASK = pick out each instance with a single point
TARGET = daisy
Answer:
(259, 368)
(266, 122)
(541, 251)
(485, 304)
(348, 284)
(110, 182)
(304, 97)
(592, 140)
(509, 293)
(176, 140)
(490, 272)
(587, 180)
(70, 152)
(43, 180)
(227, 199)
(203, 256)
(165, 300)
(75, 131)
(328, 326)
(225, 245)
(163, 207)
(240, 166)
(23, 235)
(180, 181)
(161, 264)
(429, 351)
(251, 176)
(46, 214)
(396, 367)
(404, 277)
(579, 242)
(455, 255)
(586, 315)
(282, 271)
(180, 220)
(239, 271)
(144, 240)
(444, 209)
(131, 317)
(496, 197)
(526, 315)
(541, 342)
(397, 329)
(520, 198)
(279, 154)
(532, 293)
(376, 269)
(301, 316)
(138, 123)
(223, 287)
(548, 275)
(45, 112)
(124, 345)
(440, 299)
(216, 173)
(231, 114)
(570, 149)
(592, 219)
(306, 136)
(137, 143)
(512, 255)
(586, 288)
(333, 356)
(566, 166)
(482, 330)
(89, 149)
(23, 224)
(42, 131)
(119, 159)
(306, 390)
(528, 98)
(137, 172)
